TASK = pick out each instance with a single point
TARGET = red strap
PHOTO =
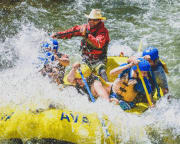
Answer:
(94, 52)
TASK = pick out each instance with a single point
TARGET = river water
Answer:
(25, 24)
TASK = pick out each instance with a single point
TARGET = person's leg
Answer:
(99, 90)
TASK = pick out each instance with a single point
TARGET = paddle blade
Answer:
(140, 47)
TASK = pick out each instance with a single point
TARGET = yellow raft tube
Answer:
(64, 125)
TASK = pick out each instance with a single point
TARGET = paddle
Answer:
(58, 35)
(142, 79)
(93, 100)
(144, 86)
(87, 87)
(153, 76)
(140, 47)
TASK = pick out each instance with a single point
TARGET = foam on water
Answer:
(21, 84)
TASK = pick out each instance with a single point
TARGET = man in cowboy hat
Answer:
(94, 43)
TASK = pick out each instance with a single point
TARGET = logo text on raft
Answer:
(74, 118)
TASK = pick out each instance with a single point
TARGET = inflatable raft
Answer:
(115, 61)
(64, 125)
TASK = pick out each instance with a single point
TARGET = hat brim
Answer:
(101, 18)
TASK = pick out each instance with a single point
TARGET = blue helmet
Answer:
(50, 56)
(45, 45)
(143, 65)
(55, 44)
(152, 52)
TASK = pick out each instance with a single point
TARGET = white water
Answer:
(22, 85)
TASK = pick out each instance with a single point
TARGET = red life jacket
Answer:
(97, 36)
(91, 53)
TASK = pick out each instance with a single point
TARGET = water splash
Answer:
(21, 84)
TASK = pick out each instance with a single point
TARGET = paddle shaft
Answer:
(58, 35)
(144, 85)
(140, 46)
(87, 87)
(153, 76)
(142, 79)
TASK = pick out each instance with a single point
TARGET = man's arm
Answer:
(99, 41)
(68, 34)
(121, 68)
(64, 60)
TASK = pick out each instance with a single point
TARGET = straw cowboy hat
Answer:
(95, 14)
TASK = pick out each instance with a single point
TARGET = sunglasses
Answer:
(94, 20)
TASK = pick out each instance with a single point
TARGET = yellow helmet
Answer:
(86, 71)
